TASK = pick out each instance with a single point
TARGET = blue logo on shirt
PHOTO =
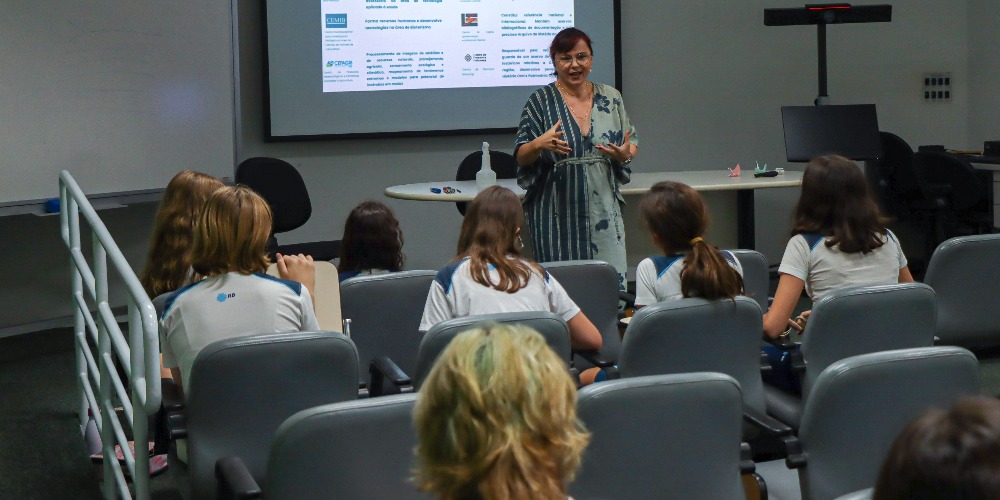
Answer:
(223, 296)
(336, 21)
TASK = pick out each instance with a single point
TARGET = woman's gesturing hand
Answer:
(622, 153)
(552, 140)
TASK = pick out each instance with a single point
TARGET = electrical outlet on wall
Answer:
(937, 87)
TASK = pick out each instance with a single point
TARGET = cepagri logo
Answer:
(340, 64)
(336, 20)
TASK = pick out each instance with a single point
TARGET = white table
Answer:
(706, 181)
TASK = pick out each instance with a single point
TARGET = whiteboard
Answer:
(122, 93)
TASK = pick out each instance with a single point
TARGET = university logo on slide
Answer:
(336, 21)
(339, 64)
(470, 19)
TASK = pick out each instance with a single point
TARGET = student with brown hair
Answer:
(496, 419)
(168, 264)
(839, 239)
(945, 455)
(236, 297)
(677, 218)
(372, 242)
(489, 275)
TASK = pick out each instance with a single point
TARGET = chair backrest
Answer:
(896, 164)
(860, 404)
(861, 320)
(242, 389)
(664, 436)
(942, 168)
(966, 278)
(551, 326)
(354, 449)
(503, 164)
(385, 313)
(593, 286)
(280, 184)
(697, 335)
(756, 276)
(327, 297)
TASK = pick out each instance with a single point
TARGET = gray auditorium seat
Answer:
(552, 327)
(698, 335)
(857, 407)
(385, 313)
(756, 276)
(663, 436)
(854, 321)
(593, 286)
(355, 449)
(966, 277)
(242, 389)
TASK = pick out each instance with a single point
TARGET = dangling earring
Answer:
(520, 242)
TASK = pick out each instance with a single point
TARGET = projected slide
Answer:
(370, 45)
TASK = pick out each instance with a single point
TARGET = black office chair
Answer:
(956, 192)
(894, 179)
(282, 187)
(503, 164)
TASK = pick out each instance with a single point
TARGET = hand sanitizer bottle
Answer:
(486, 177)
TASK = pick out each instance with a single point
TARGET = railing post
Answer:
(104, 348)
(140, 424)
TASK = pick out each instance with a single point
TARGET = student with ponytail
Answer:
(489, 275)
(677, 217)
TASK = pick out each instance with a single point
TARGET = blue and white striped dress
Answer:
(574, 205)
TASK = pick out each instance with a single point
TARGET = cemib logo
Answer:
(336, 21)
(340, 64)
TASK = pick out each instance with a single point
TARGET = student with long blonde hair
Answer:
(677, 218)
(236, 298)
(496, 419)
(168, 264)
(489, 275)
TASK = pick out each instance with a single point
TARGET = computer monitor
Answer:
(847, 130)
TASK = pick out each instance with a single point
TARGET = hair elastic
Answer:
(694, 241)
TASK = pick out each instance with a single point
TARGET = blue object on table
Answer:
(436, 190)
(52, 206)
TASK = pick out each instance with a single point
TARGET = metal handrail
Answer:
(100, 385)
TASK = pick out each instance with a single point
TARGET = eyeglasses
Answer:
(582, 58)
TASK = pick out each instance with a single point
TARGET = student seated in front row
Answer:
(372, 242)
(490, 276)
(236, 298)
(677, 218)
(839, 239)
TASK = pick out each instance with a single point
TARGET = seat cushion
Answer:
(783, 406)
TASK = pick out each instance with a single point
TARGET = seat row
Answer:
(263, 417)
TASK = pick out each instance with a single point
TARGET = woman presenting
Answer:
(574, 145)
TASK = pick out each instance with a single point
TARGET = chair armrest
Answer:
(235, 481)
(627, 298)
(765, 422)
(594, 357)
(798, 362)
(746, 459)
(795, 457)
(171, 398)
(381, 369)
(783, 343)
(176, 426)
(765, 363)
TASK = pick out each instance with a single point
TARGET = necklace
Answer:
(588, 96)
